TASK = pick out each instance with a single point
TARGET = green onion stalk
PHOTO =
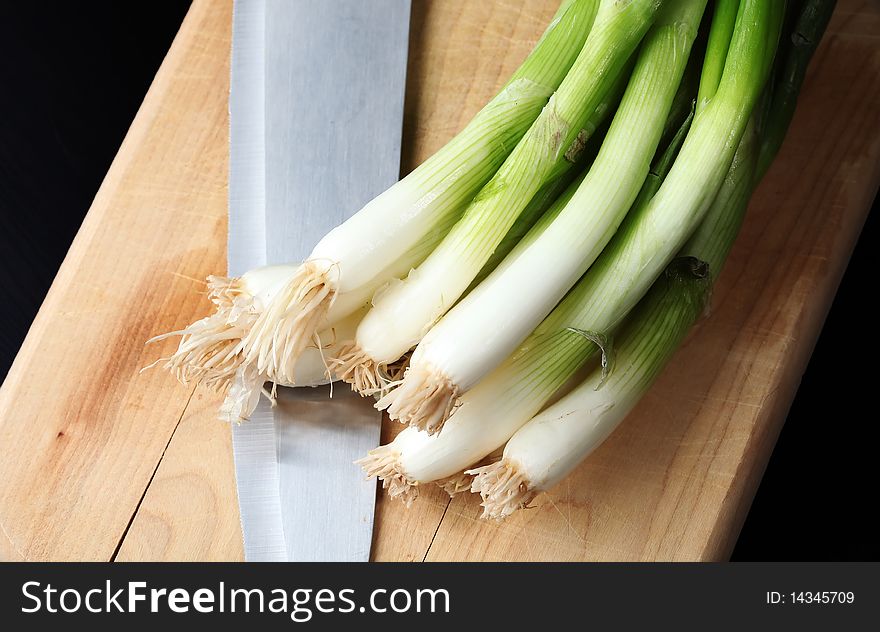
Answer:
(536, 212)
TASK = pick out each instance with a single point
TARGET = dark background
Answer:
(72, 76)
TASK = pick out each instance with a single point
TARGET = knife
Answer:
(327, 106)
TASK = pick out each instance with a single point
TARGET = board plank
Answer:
(100, 461)
(82, 430)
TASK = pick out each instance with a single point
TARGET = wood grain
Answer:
(100, 461)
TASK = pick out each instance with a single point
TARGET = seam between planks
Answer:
(436, 530)
(140, 501)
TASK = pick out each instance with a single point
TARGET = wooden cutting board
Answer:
(99, 461)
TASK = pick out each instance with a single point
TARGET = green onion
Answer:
(404, 313)
(470, 340)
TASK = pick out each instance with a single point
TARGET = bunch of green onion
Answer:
(513, 298)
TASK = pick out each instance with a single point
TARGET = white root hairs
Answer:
(503, 487)
(290, 322)
(353, 366)
(384, 463)
(461, 482)
(425, 399)
(455, 484)
(210, 349)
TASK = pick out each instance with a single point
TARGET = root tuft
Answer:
(425, 400)
(290, 322)
(210, 349)
(455, 484)
(384, 462)
(354, 366)
(503, 487)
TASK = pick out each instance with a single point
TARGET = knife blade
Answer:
(253, 443)
(336, 74)
(334, 79)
